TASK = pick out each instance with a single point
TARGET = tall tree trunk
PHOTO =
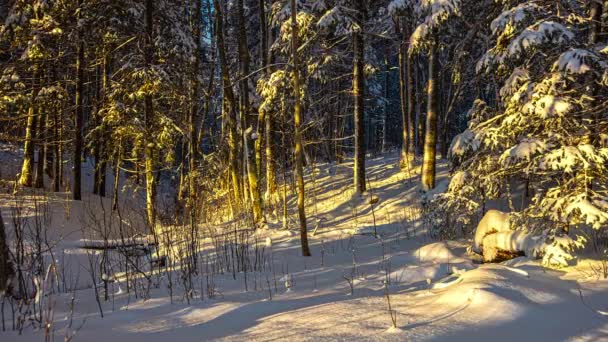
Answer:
(268, 132)
(430, 139)
(229, 104)
(149, 153)
(387, 70)
(27, 169)
(358, 98)
(41, 157)
(248, 139)
(56, 158)
(103, 146)
(194, 107)
(259, 143)
(411, 107)
(298, 134)
(78, 113)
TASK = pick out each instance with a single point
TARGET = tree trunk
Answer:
(56, 158)
(41, 157)
(194, 108)
(298, 134)
(79, 112)
(358, 98)
(27, 169)
(105, 88)
(149, 157)
(229, 104)
(411, 108)
(264, 59)
(430, 138)
(248, 139)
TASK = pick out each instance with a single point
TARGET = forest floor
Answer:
(436, 290)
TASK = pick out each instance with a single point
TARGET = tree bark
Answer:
(27, 169)
(78, 113)
(194, 107)
(358, 98)
(298, 134)
(149, 153)
(229, 104)
(248, 139)
(430, 139)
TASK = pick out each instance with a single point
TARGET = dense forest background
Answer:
(220, 104)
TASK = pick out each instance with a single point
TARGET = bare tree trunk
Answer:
(264, 59)
(387, 69)
(430, 139)
(103, 146)
(27, 169)
(149, 157)
(298, 134)
(79, 112)
(248, 139)
(230, 104)
(56, 157)
(194, 108)
(41, 159)
(358, 97)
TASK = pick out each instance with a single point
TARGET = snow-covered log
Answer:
(496, 241)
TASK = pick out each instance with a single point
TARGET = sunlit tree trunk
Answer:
(358, 97)
(149, 157)
(430, 137)
(27, 169)
(249, 143)
(298, 134)
(229, 104)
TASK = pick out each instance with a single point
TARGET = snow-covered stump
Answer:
(495, 241)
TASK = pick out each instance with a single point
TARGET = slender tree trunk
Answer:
(248, 139)
(41, 159)
(78, 113)
(27, 169)
(194, 108)
(149, 153)
(271, 186)
(298, 134)
(358, 98)
(56, 158)
(411, 107)
(430, 140)
(103, 146)
(387, 70)
(229, 104)
(259, 143)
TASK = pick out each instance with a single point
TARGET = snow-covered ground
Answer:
(436, 291)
